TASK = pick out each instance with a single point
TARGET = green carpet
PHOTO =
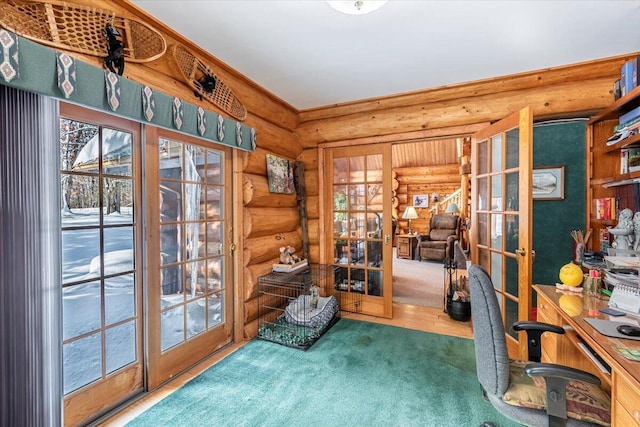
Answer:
(357, 374)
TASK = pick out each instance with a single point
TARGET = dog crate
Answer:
(296, 308)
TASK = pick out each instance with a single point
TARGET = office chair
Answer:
(517, 388)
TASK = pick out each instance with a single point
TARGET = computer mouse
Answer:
(630, 330)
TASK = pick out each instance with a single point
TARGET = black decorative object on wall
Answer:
(115, 50)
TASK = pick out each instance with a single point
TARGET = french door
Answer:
(189, 263)
(501, 222)
(101, 261)
(359, 224)
(120, 319)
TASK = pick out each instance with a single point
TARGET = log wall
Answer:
(413, 181)
(559, 92)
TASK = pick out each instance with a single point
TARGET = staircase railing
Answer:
(441, 206)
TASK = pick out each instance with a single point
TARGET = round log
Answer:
(313, 207)
(255, 193)
(261, 249)
(256, 162)
(309, 158)
(430, 179)
(314, 254)
(250, 330)
(311, 182)
(269, 221)
(427, 170)
(251, 275)
(314, 231)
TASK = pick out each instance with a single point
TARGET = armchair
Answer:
(534, 394)
(438, 243)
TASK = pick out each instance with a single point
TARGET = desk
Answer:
(624, 378)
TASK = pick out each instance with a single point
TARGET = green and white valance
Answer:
(36, 68)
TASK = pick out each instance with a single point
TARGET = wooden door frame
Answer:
(396, 138)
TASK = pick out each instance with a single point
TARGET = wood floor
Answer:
(425, 319)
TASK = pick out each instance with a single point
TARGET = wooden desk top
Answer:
(601, 344)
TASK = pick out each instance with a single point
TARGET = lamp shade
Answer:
(452, 208)
(410, 213)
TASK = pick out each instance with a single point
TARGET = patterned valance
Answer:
(36, 68)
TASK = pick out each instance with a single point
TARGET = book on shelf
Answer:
(604, 240)
(624, 161)
(606, 208)
(634, 159)
(627, 74)
(629, 118)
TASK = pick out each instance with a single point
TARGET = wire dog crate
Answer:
(295, 309)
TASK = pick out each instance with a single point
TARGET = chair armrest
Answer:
(548, 370)
(524, 325)
(534, 331)
(556, 378)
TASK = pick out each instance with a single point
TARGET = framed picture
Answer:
(280, 175)
(548, 183)
(421, 201)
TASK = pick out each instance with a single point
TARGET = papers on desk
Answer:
(615, 278)
(621, 270)
(622, 261)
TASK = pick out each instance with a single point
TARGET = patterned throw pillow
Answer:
(585, 402)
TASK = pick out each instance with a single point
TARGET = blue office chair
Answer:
(516, 388)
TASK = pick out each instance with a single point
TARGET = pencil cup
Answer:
(578, 252)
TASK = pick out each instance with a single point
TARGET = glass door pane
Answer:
(190, 192)
(102, 319)
(190, 296)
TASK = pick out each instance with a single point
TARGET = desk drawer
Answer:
(549, 341)
(627, 403)
(623, 418)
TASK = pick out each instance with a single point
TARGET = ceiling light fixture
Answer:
(357, 7)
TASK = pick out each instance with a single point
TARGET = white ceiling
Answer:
(310, 55)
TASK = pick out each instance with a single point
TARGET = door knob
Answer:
(521, 252)
(387, 238)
